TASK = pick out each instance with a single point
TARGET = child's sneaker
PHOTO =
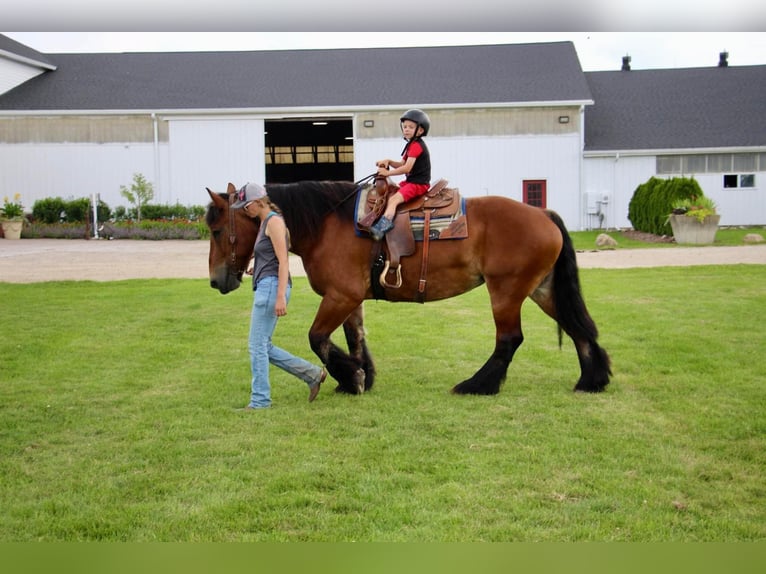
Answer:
(383, 226)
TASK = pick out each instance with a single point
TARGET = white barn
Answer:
(523, 121)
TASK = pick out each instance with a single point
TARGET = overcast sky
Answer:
(596, 50)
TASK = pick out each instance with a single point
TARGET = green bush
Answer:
(59, 218)
(653, 201)
(49, 210)
(57, 210)
(176, 211)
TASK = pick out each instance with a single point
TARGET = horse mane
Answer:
(305, 204)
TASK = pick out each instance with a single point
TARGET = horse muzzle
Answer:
(225, 282)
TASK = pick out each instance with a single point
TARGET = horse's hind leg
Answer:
(574, 319)
(353, 328)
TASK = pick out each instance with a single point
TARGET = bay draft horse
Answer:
(517, 250)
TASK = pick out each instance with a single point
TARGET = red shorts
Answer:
(413, 190)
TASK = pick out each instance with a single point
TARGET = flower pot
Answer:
(690, 230)
(12, 229)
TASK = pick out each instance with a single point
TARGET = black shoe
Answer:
(383, 226)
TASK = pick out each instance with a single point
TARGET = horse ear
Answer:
(218, 201)
(231, 189)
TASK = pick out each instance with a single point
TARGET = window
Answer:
(720, 162)
(694, 164)
(669, 164)
(710, 163)
(535, 193)
(307, 154)
(731, 180)
(744, 162)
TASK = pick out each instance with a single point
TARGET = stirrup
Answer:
(398, 276)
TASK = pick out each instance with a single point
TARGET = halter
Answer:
(233, 232)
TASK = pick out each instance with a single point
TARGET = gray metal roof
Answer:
(513, 73)
(634, 110)
(677, 108)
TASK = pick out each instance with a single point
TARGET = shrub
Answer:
(57, 210)
(59, 218)
(49, 210)
(653, 200)
(155, 230)
(38, 230)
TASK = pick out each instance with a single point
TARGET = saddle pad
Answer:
(449, 227)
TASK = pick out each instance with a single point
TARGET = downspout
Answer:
(581, 162)
(156, 156)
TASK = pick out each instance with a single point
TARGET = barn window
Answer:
(669, 164)
(535, 193)
(732, 180)
(694, 164)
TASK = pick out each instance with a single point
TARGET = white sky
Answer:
(596, 50)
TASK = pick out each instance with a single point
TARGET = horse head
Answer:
(232, 237)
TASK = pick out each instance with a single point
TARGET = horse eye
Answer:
(216, 233)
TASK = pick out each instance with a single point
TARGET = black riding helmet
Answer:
(419, 117)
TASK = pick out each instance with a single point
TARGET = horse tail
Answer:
(573, 317)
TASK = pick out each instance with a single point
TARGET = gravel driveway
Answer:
(35, 260)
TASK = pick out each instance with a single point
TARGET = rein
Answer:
(353, 193)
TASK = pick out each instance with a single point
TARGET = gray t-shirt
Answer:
(266, 263)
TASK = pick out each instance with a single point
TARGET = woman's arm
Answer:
(276, 231)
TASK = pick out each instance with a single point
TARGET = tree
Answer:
(139, 194)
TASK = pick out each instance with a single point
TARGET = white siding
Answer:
(14, 74)
(495, 166)
(737, 206)
(617, 177)
(71, 171)
(212, 153)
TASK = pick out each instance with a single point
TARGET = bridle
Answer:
(233, 236)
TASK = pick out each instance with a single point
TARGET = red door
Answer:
(535, 193)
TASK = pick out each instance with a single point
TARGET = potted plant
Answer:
(12, 217)
(694, 220)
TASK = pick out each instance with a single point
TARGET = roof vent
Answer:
(723, 59)
(625, 63)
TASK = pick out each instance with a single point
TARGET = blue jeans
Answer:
(263, 321)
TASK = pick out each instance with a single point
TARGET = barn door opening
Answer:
(535, 193)
(309, 149)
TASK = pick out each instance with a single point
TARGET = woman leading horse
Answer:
(516, 250)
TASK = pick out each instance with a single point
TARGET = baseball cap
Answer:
(249, 192)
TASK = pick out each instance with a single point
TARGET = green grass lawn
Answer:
(119, 423)
(586, 240)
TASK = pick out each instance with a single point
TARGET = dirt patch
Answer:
(647, 237)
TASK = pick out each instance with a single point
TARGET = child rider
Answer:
(415, 164)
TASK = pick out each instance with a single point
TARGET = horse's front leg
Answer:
(347, 369)
(353, 327)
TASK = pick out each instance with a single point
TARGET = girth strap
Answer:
(421, 296)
